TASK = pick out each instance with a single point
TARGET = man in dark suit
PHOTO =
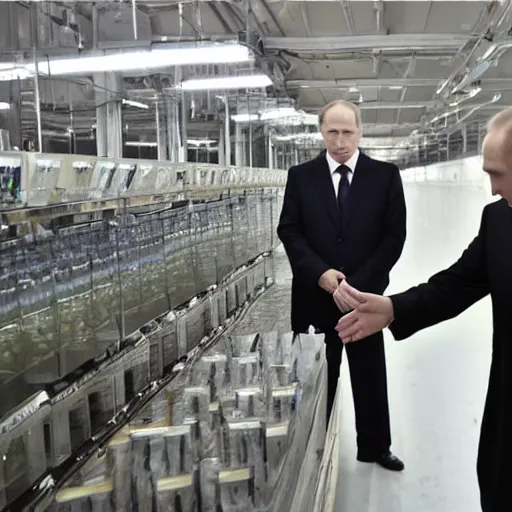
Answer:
(484, 268)
(344, 217)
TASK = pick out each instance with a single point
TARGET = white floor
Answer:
(437, 378)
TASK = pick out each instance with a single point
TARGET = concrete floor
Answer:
(437, 378)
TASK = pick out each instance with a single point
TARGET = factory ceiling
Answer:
(414, 67)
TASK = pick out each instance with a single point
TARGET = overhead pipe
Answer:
(134, 16)
(94, 26)
(456, 71)
(482, 36)
(455, 126)
(455, 111)
(492, 54)
(377, 6)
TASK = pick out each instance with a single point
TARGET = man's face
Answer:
(498, 164)
(340, 133)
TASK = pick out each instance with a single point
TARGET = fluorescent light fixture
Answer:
(228, 82)
(4, 105)
(79, 165)
(395, 87)
(288, 116)
(307, 136)
(158, 57)
(13, 71)
(245, 118)
(279, 113)
(135, 104)
(199, 142)
(162, 55)
(141, 144)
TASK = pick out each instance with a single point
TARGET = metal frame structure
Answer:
(404, 64)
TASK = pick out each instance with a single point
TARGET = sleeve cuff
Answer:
(396, 325)
(316, 272)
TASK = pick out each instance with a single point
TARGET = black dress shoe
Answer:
(386, 460)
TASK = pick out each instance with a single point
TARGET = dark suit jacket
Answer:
(484, 267)
(365, 246)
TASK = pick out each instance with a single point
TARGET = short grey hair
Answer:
(343, 103)
(501, 120)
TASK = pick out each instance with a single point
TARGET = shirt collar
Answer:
(350, 163)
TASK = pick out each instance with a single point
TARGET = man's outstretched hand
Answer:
(371, 313)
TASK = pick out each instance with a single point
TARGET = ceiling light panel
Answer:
(160, 56)
(228, 82)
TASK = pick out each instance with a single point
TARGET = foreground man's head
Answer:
(497, 154)
(340, 125)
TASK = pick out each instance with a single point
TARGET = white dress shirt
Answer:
(336, 176)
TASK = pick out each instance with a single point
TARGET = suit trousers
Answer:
(367, 364)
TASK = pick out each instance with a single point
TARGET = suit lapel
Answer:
(323, 184)
(359, 188)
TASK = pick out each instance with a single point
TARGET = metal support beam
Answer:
(222, 147)
(109, 126)
(363, 82)
(134, 20)
(220, 17)
(378, 7)
(94, 26)
(37, 97)
(305, 18)
(160, 129)
(408, 72)
(389, 105)
(238, 145)
(270, 152)
(272, 17)
(364, 42)
(184, 126)
(173, 130)
(227, 132)
(347, 14)
(38, 104)
(250, 142)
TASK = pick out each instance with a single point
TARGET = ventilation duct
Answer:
(115, 24)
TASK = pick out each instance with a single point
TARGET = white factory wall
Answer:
(444, 206)
(437, 379)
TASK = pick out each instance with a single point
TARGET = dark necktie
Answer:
(343, 188)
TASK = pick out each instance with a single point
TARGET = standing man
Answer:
(485, 267)
(344, 217)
